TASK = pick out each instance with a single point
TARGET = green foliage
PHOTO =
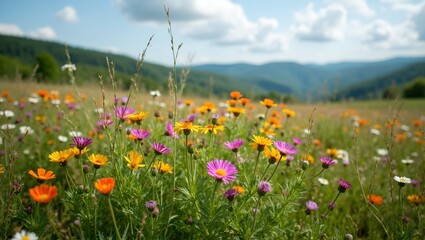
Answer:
(12, 67)
(91, 64)
(48, 68)
(391, 92)
(374, 88)
(415, 89)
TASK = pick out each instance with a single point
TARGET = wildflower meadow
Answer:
(84, 163)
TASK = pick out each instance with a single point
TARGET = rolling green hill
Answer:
(373, 88)
(310, 81)
(307, 82)
(20, 53)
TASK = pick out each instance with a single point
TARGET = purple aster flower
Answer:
(214, 119)
(160, 148)
(139, 134)
(331, 206)
(104, 123)
(326, 162)
(311, 206)
(151, 205)
(263, 188)
(234, 145)
(28, 114)
(297, 141)
(285, 148)
(222, 170)
(81, 142)
(122, 112)
(22, 104)
(415, 182)
(230, 194)
(124, 100)
(170, 131)
(190, 118)
(71, 106)
(343, 185)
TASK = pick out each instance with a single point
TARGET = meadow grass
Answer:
(173, 196)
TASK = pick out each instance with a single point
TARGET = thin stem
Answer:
(315, 175)
(255, 216)
(113, 218)
(256, 162)
(277, 165)
(333, 202)
(264, 173)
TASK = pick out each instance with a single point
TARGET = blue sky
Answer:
(228, 31)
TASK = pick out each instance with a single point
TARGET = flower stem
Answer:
(333, 202)
(256, 162)
(315, 175)
(277, 165)
(255, 216)
(113, 218)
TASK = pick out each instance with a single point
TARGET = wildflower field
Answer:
(86, 163)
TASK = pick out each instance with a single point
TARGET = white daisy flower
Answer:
(375, 131)
(26, 130)
(62, 138)
(323, 181)
(24, 235)
(402, 179)
(407, 161)
(75, 133)
(8, 126)
(382, 151)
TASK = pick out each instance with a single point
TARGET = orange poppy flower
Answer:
(235, 95)
(105, 185)
(375, 199)
(43, 193)
(232, 102)
(244, 101)
(42, 175)
(268, 103)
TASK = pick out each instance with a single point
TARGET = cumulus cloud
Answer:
(325, 24)
(405, 6)
(382, 34)
(357, 6)
(219, 21)
(46, 33)
(67, 14)
(419, 21)
(10, 29)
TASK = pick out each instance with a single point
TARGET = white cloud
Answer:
(10, 29)
(357, 6)
(218, 21)
(419, 21)
(46, 33)
(325, 24)
(405, 6)
(386, 35)
(67, 14)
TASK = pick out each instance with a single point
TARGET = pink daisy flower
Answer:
(222, 170)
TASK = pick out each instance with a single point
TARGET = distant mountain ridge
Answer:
(308, 82)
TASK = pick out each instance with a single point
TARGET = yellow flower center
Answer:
(221, 172)
(26, 237)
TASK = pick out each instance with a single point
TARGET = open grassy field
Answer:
(149, 165)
